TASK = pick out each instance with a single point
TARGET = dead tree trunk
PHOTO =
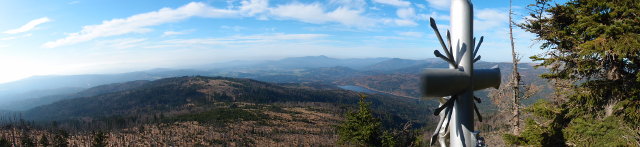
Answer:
(515, 78)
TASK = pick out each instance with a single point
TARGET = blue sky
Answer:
(109, 36)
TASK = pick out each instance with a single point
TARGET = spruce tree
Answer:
(361, 128)
(596, 44)
(26, 141)
(60, 139)
(100, 139)
(44, 141)
(4, 142)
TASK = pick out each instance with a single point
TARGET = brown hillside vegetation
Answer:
(204, 111)
(299, 125)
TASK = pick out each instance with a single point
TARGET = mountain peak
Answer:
(309, 57)
(321, 56)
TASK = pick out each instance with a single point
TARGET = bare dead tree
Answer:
(515, 77)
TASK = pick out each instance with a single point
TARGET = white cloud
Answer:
(411, 34)
(233, 28)
(406, 17)
(405, 22)
(310, 13)
(281, 36)
(440, 4)
(389, 38)
(350, 17)
(254, 7)
(406, 13)
(121, 43)
(171, 33)
(16, 37)
(406, 36)
(242, 40)
(352, 4)
(8, 38)
(397, 3)
(492, 14)
(433, 15)
(316, 13)
(139, 23)
(29, 26)
(262, 38)
(488, 19)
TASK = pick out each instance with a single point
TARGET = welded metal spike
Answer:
(477, 99)
(432, 22)
(475, 107)
(450, 47)
(435, 29)
(439, 55)
(477, 59)
(461, 52)
(478, 46)
(474, 41)
(449, 112)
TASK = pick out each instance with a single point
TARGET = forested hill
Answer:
(189, 95)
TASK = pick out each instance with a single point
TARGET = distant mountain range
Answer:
(25, 104)
(39, 86)
(393, 75)
(35, 86)
(395, 64)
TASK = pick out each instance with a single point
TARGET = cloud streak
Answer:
(122, 43)
(490, 19)
(239, 39)
(172, 33)
(310, 13)
(29, 26)
(440, 4)
(397, 3)
(139, 23)
(411, 34)
(316, 14)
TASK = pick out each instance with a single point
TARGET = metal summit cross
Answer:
(456, 84)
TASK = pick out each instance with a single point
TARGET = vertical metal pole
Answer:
(462, 117)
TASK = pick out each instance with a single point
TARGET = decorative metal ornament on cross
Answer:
(456, 84)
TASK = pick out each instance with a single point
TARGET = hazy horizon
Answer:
(200, 66)
(81, 37)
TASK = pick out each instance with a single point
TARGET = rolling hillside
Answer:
(394, 76)
(182, 95)
(205, 110)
